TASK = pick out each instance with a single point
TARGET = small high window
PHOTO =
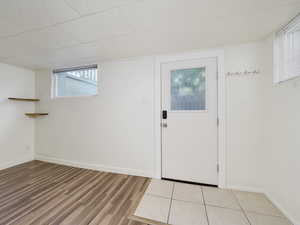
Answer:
(76, 81)
(287, 52)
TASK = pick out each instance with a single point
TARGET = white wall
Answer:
(244, 117)
(111, 131)
(115, 129)
(282, 140)
(263, 127)
(16, 130)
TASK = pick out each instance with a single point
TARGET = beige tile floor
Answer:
(185, 204)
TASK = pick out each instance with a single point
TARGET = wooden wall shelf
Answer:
(32, 115)
(36, 114)
(25, 99)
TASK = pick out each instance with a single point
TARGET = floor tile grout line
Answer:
(244, 212)
(171, 203)
(186, 201)
(204, 205)
(157, 196)
(223, 207)
(261, 213)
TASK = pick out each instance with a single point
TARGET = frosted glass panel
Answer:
(188, 89)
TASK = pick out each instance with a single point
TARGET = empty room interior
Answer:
(149, 112)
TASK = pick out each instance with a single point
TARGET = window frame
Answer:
(54, 81)
(280, 73)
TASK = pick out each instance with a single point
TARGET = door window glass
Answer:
(188, 89)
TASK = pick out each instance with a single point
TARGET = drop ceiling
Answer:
(40, 34)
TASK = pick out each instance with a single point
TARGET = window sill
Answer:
(286, 80)
(74, 97)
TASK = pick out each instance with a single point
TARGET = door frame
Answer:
(159, 60)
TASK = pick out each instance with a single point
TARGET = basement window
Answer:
(287, 52)
(76, 81)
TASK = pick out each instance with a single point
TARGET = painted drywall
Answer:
(115, 129)
(16, 130)
(244, 116)
(281, 110)
(111, 131)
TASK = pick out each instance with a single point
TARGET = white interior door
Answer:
(189, 121)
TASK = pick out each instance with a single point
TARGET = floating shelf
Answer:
(32, 115)
(36, 114)
(25, 99)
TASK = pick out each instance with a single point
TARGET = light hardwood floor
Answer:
(43, 193)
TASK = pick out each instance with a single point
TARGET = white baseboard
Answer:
(282, 209)
(97, 167)
(134, 173)
(244, 188)
(16, 162)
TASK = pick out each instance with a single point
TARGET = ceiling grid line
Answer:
(97, 30)
(81, 16)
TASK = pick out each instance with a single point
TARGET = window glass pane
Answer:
(188, 89)
(287, 52)
(78, 82)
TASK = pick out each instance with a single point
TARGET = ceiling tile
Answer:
(73, 56)
(227, 30)
(80, 51)
(34, 14)
(72, 62)
(38, 13)
(9, 10)
(30, 62)
(177, 15)
(52, 38)
(13, 47)
(8, 28)
(98, 26)
(141, 28)
(93, 6)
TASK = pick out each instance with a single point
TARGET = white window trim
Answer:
(280, 74)
(53, 93)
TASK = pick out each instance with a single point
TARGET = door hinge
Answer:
(218, 121)
(218, 168)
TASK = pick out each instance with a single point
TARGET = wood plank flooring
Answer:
(43, 193)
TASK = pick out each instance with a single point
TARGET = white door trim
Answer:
(219, 55)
